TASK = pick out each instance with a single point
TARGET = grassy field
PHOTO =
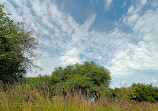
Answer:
(22, 98)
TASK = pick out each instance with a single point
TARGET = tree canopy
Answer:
(145, 92)
(88, 77)
(16, 48)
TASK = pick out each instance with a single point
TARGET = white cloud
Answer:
(108, 4)
(64, 41)
(143, 54)
(131, 9)
(143, 2)
(63, 31)
(74, 50)
(70, 57)
(138, 7)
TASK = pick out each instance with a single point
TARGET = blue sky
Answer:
(121, 35)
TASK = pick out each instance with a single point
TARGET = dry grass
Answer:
(22, 98)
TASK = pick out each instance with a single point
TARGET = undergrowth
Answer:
(21, 97)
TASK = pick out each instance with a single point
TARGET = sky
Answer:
(121, 35)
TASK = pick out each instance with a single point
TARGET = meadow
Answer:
(21, 97)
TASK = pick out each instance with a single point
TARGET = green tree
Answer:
(144, 92)
(90, 78)
(16, 48)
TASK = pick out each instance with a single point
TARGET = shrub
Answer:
(144, 92)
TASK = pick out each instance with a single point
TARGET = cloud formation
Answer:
(129, 48)
(108, 4)
(141, 55)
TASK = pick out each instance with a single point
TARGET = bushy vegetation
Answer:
(35, 82)
(137, 92)
(93, 81)
(21, 97)
(123, 94)
(144, 92)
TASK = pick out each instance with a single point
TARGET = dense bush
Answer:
(145, 93)
(124, 93)
(136, 92)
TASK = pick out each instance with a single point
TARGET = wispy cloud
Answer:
(64, 41)
(140, 55)
(108, 4)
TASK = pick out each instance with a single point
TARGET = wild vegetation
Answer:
(136, 92)
(79, 87)
(20, 97)
(16, 48)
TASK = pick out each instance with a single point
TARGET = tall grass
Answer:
(20, 97)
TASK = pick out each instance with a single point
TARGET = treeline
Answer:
(136, 92)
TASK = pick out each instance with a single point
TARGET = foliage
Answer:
(16, 48)
(123, 94)
(22, 98)
(136, 92)
(144, 92)
(89, 77)
(35, 82)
